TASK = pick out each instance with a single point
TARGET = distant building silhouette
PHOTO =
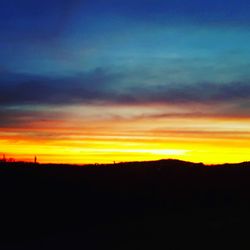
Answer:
(35, 160)
(3, 159)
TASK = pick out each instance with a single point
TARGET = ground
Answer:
(150, 205)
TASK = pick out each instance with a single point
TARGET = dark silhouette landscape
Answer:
(166, 204)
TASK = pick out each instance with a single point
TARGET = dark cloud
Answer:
(105, 87)
(26, 99)
(195, 93)
(11, 118)
(19, 89)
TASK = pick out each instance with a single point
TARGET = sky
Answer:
(90, 81)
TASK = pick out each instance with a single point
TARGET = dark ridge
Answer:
(165, 204)
(158, 163)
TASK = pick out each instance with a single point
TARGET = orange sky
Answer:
(103, 134)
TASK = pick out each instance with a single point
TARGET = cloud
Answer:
(29, 99)
(25, 89)
(101, 86)
(11, 118)
(195, 93)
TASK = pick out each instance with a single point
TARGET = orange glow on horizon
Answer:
(83, 139)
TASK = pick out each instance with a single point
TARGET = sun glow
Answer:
(82, 137)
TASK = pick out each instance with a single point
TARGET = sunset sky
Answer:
(90, 81)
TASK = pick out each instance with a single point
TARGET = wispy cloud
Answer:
(105, 87)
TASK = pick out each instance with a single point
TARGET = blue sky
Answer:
(125, 51)
(45, 37)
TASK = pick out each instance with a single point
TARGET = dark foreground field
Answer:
(155, 205)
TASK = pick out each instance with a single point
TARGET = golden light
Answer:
(84, 137)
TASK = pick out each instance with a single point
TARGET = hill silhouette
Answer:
(166, 204)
